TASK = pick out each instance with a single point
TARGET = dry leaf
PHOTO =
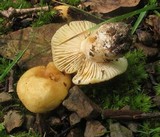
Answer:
(38, 39)
(154, 22)
(148, 51)
(105, 6)
(12, 120)
(5, 97)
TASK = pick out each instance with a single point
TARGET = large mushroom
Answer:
(94, 56)
(42, 89)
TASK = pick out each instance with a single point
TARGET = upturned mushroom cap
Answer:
(67, 57)
(93, 72)
(94, 56)
(42, 89)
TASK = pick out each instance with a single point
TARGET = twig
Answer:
(147, 115)
(129, 114)
(38, 124)
(11, 81)
(11, 12)
(66, 131)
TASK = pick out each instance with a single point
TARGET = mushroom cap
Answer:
(94, 56)
(67, 56)
(63, 11)
(42, 89)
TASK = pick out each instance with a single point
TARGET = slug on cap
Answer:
(95, 56)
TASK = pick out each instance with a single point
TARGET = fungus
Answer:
(42, 89)
(63, 12)
(94, 56)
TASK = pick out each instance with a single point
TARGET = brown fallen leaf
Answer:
(5, 97)
(118, 130)
(75, 132)
(145, 37)
(148, 51)
(94, 129)
(79, 103)
(154, 22)
(38, 39)
(12, 120)
(105, 6)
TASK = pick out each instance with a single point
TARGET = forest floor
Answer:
(125, 106)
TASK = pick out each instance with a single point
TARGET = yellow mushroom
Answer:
(94, 56)
(42, 89)
(63, 11)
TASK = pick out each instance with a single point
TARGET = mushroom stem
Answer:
(38, 123)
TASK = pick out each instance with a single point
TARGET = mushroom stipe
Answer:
(94, 56)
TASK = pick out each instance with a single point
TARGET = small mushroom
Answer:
(63, 12)
(95, 56)
(42, 89)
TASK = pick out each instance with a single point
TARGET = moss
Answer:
(5, 4)
(149, 129)
(157, 89)
(71, 2)
(4, 63)
(27, 134)
(44, 17)
(157, 77)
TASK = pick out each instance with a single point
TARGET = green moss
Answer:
(71, 2)
(142, 102)
(19, 134)
(157, 89)
(4, 63)
(149, 129)
(157, 78)
(2, 131)
(44, 17)
(27, 134)
(157, 68)
(5, 4)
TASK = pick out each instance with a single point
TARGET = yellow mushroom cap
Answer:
(42, 89)
(63, 10)
(91, 55)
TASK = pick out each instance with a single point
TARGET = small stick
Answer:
(18, 12)
(66, 130)
(11, 81)
(147, 115)
(129, 114)
(38, 123)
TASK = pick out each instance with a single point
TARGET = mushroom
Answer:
(94, 56)
(42, 89)
(63, 12)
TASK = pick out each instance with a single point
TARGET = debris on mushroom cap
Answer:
(42, 89)
(96, 56)
(108, 42)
